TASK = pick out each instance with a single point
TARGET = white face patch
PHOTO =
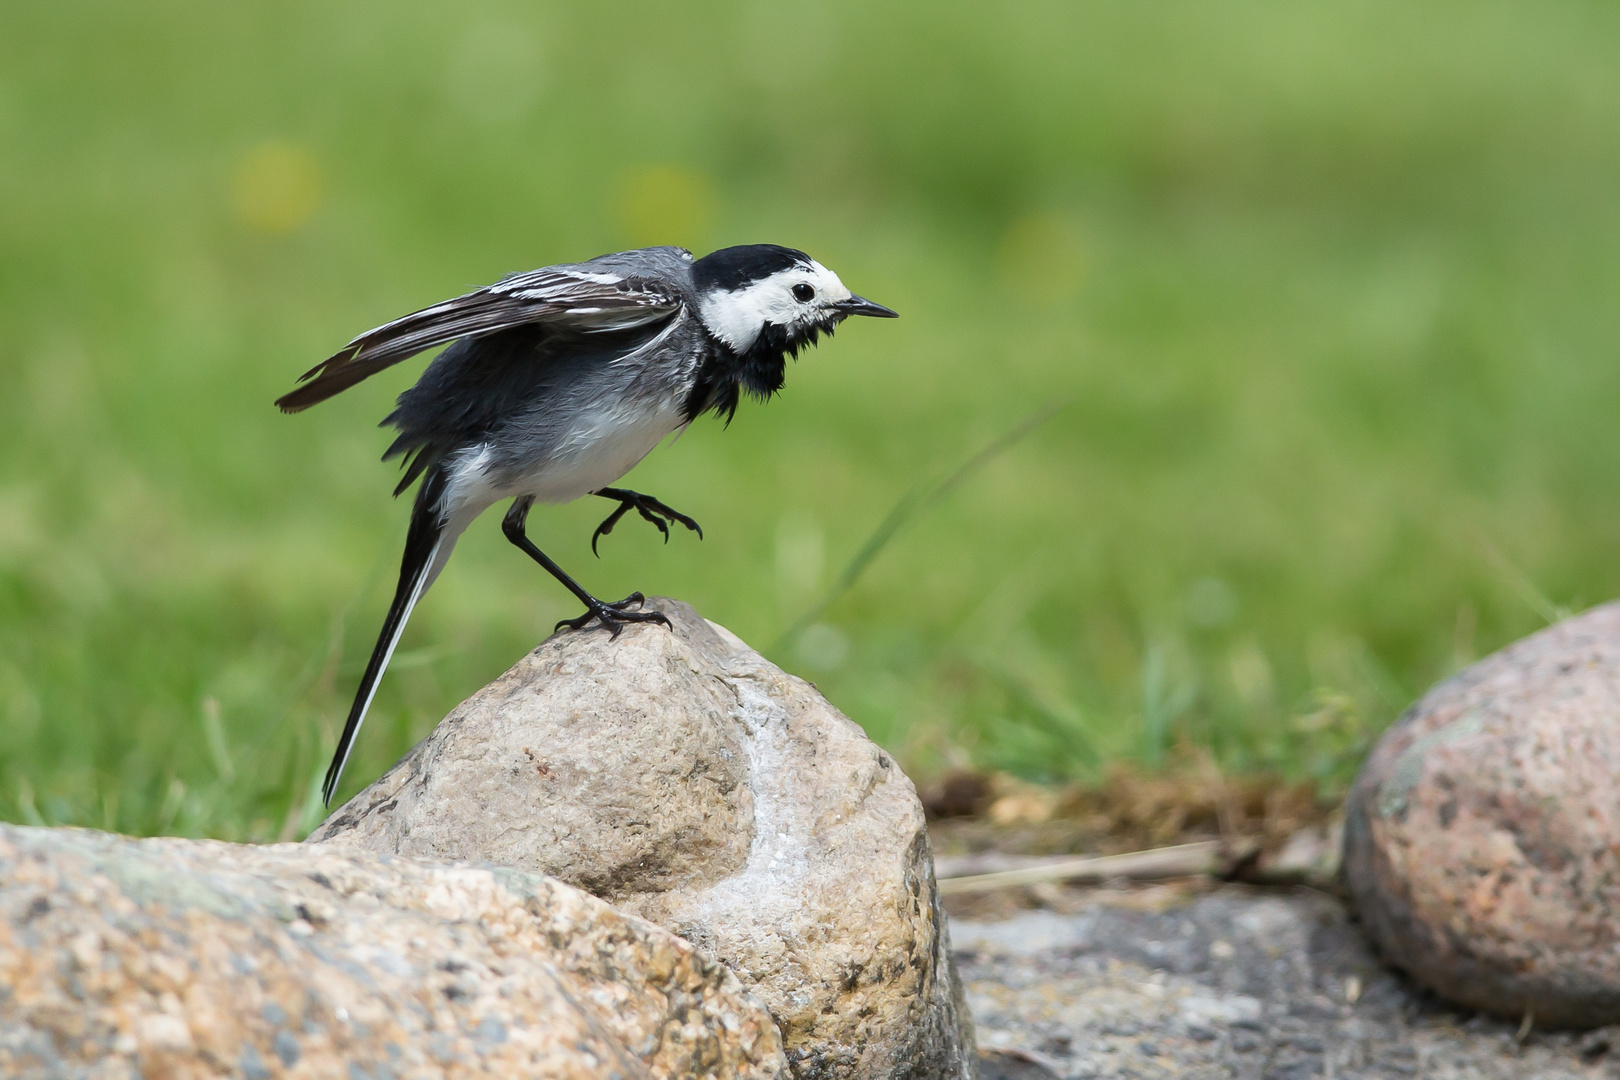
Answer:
(737, 317)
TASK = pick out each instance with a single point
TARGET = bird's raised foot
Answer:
(614, 615)
(648, 507)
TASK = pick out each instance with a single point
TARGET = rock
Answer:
(685, 779)
(1011, 1063)
(180, 958)
(1308, 856)
(1482, 837)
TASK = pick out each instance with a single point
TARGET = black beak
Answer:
(857, 305)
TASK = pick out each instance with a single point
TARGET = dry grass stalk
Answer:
(1208, 857)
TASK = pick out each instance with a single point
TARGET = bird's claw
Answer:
(614, 615)
(648, 507)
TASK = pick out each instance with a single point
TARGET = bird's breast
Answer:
(597, 447)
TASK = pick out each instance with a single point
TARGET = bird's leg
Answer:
(613, 615)
(645, 505)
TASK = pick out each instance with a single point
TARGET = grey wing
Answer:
(583, 298)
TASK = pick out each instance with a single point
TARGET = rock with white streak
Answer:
(687, 780)
(128, 958)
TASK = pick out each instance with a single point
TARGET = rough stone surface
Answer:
(1227, 982)
(177, 958)
(1482, 838)
(687, 780)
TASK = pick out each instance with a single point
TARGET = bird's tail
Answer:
(423, 541)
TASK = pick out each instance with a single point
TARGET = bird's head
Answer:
(761, 299)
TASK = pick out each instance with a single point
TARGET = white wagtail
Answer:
(561, 380)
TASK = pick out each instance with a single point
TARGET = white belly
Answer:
(601, 447)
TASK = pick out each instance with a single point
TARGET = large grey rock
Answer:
(1482, 838)
(687, 780)
(178, 958)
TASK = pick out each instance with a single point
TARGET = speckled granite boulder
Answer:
(180, 958)
(1482, 840)
(687, 780)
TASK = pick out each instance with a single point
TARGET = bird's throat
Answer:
(763, 367)
(726, 373)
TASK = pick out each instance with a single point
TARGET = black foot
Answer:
(613, 616)
(645, 505)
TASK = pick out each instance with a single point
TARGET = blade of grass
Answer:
(1519, 581)
(214, 730)
(26, 804)
(911, 504)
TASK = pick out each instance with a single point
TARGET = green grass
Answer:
(1329, 291)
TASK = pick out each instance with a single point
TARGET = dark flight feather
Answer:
(585, 302)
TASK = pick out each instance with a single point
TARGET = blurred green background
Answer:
(1326, 291)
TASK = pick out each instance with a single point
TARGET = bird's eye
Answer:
(803, 293)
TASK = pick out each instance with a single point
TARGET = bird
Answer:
(556, 383)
